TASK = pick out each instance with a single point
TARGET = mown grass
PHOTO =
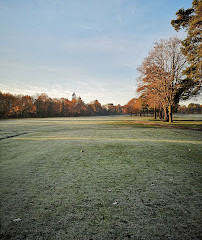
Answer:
(99, 178)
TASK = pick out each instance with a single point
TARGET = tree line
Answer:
(20, 106)
(172, 70)
(139, 106)
(192, 108)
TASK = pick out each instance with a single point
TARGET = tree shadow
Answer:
(187, 120)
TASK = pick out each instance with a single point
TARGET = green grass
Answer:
(63, 176)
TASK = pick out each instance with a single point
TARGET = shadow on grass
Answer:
(187, 120)
(178, 124)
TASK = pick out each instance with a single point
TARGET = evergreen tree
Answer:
(191, 20)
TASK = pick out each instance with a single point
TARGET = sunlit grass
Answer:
(104, 139)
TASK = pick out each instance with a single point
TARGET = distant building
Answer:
(109, 106)
(73, 96)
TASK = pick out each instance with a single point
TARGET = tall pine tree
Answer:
(191, 20)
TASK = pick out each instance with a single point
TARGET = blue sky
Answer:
(91, 47)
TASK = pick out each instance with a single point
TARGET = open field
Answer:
(101, 178)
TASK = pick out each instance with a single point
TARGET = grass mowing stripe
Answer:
(116, 139)
(99, 181)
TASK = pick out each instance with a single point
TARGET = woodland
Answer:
(43, 106)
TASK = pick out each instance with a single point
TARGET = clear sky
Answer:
(91, 47)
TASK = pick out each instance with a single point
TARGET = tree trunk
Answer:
(154, 114)
(160, 114)
(154, 111)
(166, 119)
(170, 113)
